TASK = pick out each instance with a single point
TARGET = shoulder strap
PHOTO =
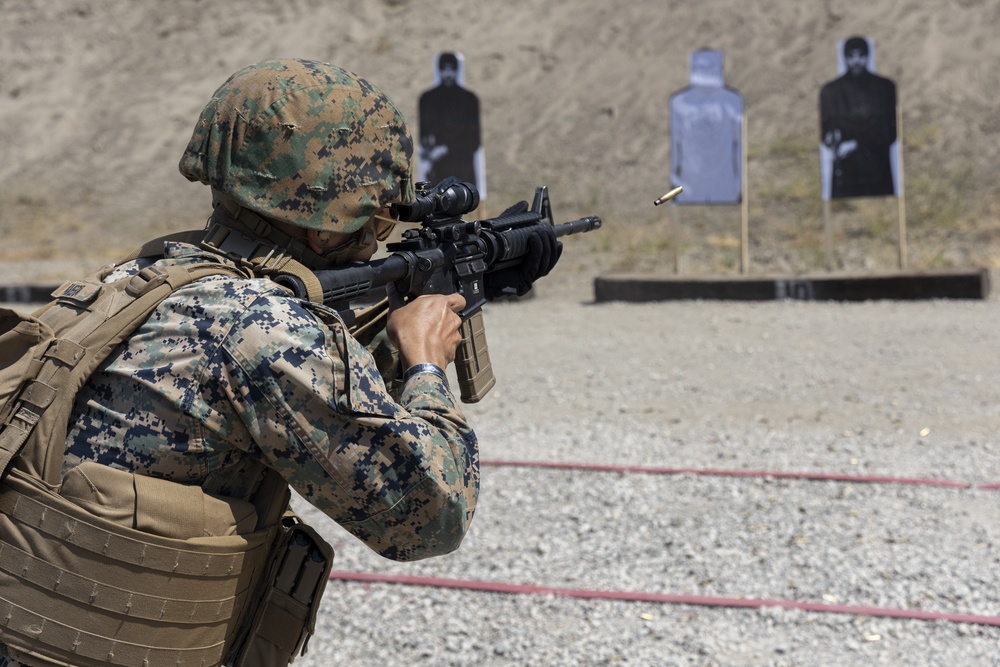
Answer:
(89, 319)
(243, 249)
(370, 321)
(154, 248)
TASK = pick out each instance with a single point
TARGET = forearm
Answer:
(400, 473)
(429, 515)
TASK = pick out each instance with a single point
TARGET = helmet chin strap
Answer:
(297, 247)
(346, 251)
(251, 241)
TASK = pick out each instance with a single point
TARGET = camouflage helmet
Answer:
(303, 142)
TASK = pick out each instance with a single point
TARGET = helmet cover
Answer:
(305, 143)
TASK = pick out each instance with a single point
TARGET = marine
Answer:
(231, 391)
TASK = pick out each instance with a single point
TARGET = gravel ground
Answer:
(883, 388)
(900, 389)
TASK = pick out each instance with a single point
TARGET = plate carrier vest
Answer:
(80, 589)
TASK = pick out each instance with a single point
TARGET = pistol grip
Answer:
(472, 360)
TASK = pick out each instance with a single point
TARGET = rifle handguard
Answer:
(472, 360)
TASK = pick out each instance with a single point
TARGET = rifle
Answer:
(447, 254)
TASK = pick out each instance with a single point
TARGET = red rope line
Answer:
(659, 598)
(837, 477)
(696, 600)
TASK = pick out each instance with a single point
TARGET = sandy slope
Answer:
(98, 99)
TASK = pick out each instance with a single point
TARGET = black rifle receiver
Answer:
(447, 254)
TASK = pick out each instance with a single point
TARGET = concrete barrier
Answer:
(26, 293)
(971, 284)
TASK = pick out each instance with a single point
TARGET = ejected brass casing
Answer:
(670, 195)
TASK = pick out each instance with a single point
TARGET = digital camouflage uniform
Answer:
(230, 376)
(282, 382)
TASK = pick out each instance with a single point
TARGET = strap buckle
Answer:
(147, 279)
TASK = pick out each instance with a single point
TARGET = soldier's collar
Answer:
(250, 240)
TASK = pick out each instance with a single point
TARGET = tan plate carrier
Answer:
(78, 588)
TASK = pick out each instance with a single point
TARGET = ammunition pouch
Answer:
(286, 616)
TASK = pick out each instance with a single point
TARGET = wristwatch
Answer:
(433, 369)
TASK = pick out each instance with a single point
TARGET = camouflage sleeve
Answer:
(387, 361)
(402, 477)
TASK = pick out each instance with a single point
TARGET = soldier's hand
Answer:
(543, 251)
(425, 330)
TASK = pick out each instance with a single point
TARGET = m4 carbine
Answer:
(445, 255)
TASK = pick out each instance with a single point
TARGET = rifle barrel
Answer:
(587, 224)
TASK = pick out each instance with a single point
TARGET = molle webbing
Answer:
(78, 589)
(147, 600)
